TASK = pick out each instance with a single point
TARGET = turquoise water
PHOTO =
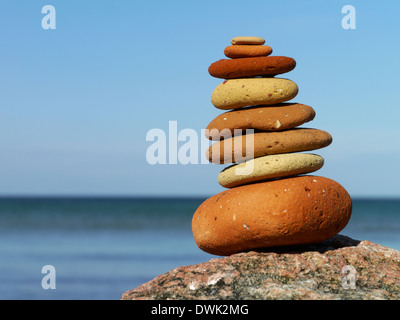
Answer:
(102, 247)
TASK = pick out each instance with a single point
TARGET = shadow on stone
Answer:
(336, 242)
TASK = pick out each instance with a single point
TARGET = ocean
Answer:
(102, 247)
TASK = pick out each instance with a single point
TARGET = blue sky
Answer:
(76, 102)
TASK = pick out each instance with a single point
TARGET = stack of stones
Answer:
(270, 201)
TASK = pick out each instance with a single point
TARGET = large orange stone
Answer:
(301, 210)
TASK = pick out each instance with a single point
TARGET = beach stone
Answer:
(245, 51)
(266, 118)
(269, 167)
(247, 40)
(238, 93)
(251, 67)
(308, 272)
(291, 211)
(239, 148)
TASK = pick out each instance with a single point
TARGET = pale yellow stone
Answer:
(238, 93)
(269, 167)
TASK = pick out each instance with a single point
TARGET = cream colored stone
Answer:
(248, 40)
(269, 167)
(238, 93)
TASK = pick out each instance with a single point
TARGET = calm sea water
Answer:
(102, 247)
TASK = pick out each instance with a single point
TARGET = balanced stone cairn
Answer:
(270, 201)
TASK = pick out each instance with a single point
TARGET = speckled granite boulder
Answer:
(312, 272)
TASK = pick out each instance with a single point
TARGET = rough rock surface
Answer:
(312, 272)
